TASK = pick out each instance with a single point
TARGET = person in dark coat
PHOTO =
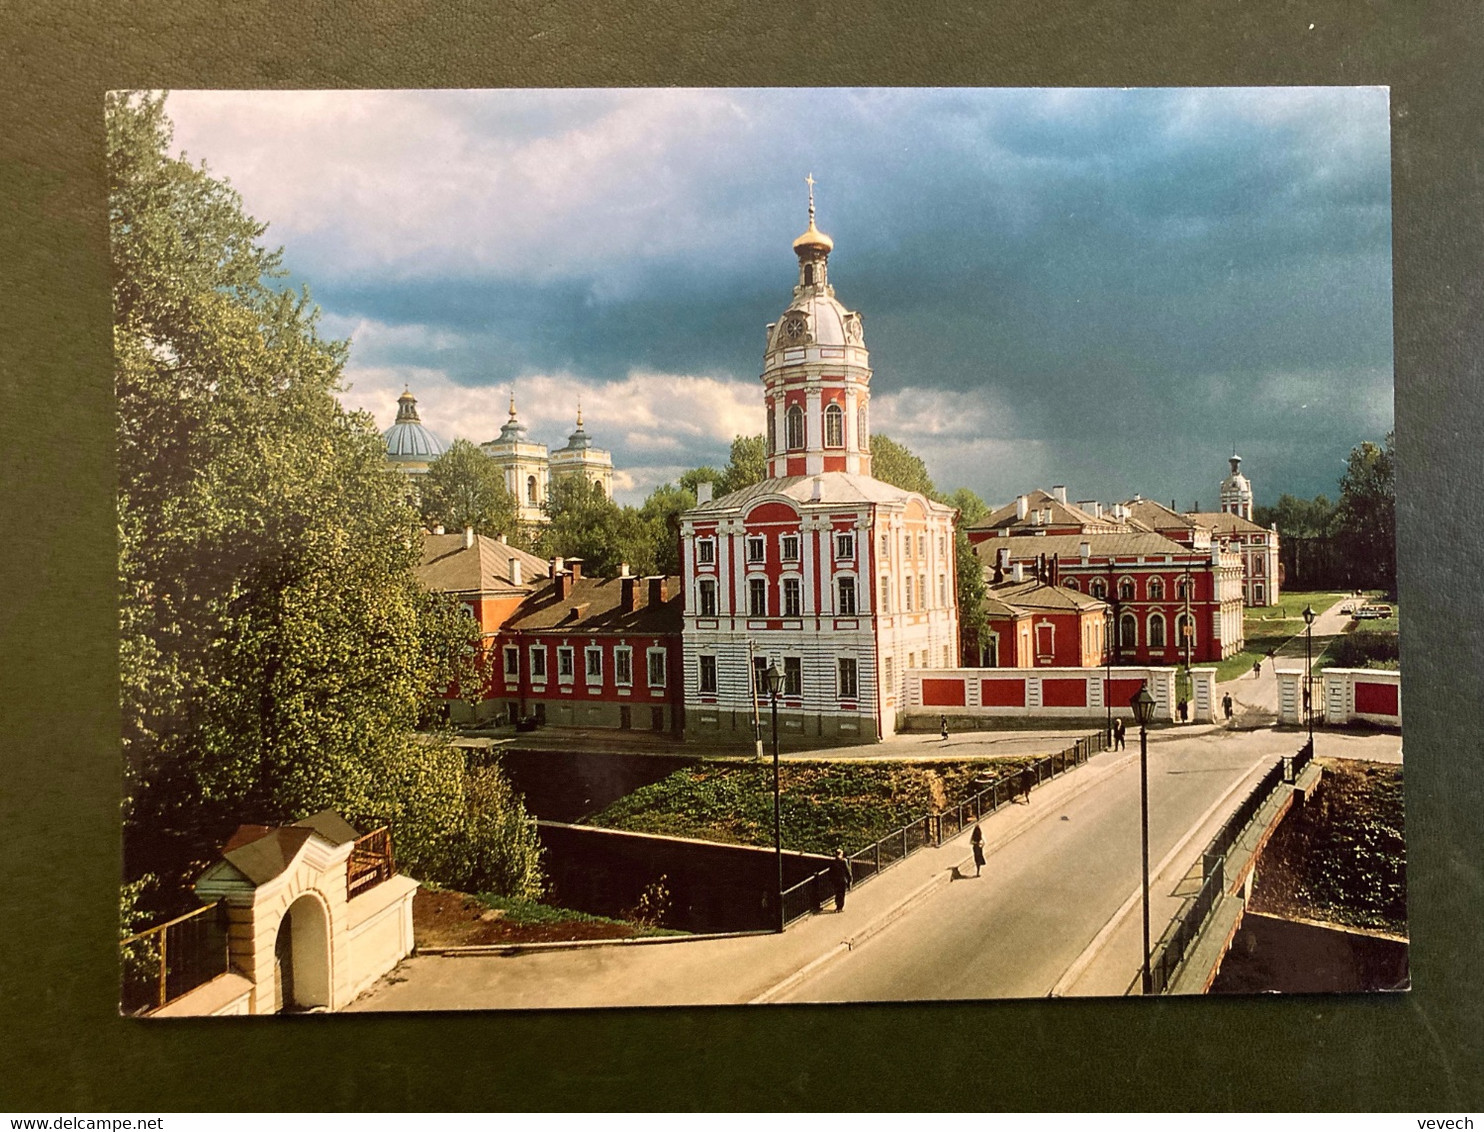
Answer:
(1184, 712)
(976, 839)
(1118, 731)
(943, 726)
(1226, 704)
(840, 878)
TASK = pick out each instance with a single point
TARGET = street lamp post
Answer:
(1309, 671)
(775, 685)
(1143, 705)
(1108, 668)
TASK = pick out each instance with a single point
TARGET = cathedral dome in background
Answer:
(409, 440)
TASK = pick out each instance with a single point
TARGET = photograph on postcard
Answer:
(628, 547)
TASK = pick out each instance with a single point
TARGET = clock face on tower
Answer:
(794, 328)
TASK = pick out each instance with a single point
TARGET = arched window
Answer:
(795, 426)
(1182, 587)
(1125, 589)
(808, 275)
(1185, 631)
(1156, 631)
(1098, 588)
(1071, 584)
(860, 428)
(834, 427)
(1156, 590)
(531, 490)
(1128, 632)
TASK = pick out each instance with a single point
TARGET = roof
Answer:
(1224, 522)
(329, 825)
(1157, 517)
(411, 440)
(1069, 547)
(594, 605)
(833, 488)
(264, 858)
(1062, 515)
(449, 567)
(1031, 594)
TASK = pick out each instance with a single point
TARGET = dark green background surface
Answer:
(62, 1048)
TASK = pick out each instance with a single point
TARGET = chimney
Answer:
(623, 569)
(563, 584)
(575, 566)
(703, 493)
(515, 571)
(1172, 505)
(1056, 569)
(1022, 505)
(1017, 572)
(558, 564)
(627, 585)
(468, 537)
(1059, 492)
(438, 530)
(504, 540)
(657, 590)
(1085, 549)
(816, 493)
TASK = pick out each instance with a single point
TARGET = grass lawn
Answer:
(825, 805)
(1272, 627)
(1369, 644)
(444, 918)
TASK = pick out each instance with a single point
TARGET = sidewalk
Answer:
(716, 971)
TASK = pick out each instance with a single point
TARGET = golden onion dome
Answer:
(813, 239)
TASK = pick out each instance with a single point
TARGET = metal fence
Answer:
(370, 862)
(165, 962)
(1191, 919)
(933, 829)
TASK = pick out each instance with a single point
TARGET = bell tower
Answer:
(816, 373)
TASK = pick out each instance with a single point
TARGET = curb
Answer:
(473, 949)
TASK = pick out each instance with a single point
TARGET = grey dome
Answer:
(408, 439)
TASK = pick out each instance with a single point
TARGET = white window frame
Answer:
(885, 593)
(706, 666)
(788, 548)
(794, 433)
(706, 597)
(592, 673)
(623, 666)
(512, 661)
(846, 585)
(566, 664)
(706, 551)
(844, 546)
(834, 426)
(650, 656)
(757, 585)
(848, 688)
(1164, 640)
(793, 597)
(757, 548)
(538, 663)
(793, 677)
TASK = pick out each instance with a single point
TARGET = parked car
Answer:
(1373, 613)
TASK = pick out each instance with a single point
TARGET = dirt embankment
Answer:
(442, 918)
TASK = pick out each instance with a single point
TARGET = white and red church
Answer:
(844, 582)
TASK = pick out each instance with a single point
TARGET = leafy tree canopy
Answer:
(1365, 520)
(1298, 518)
(276, 649)
(465, 488)
(895, 464)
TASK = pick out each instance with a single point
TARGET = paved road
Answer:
(1017, 929)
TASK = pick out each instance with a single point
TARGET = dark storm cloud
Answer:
(1137, 280)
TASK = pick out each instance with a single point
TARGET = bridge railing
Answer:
(171, 959)
(933, 829)
(1190, 920)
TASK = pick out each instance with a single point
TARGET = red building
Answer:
(1032, 624)
(593, 652)
(1163, 595)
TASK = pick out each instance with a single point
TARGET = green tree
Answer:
(1298, 518)
(586, 524)
(748, 464)
(896, 464)
(661, 512)
(465, 488)
(1365, 520)
(276, 648)
(970, 506)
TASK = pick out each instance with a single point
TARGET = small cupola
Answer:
(813, 249)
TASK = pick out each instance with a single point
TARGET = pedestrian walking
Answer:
(943, 726)
(1118, 731)
(1257, 668)
(840, 878)
(976, 839)
(1027, 780)
(1184, 712)
(1226, 705)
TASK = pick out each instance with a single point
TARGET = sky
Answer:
(1106, 289)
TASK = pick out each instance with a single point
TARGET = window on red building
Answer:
(794, 425)
(789, 548)
(1099, 589)
(708, 673)
(847, 678)
(757, 548)
(705, 551)
(846, 604)
(623, 666)
(793, 676)
(512, 660)
(1125, 589)
(706, 590)
(656, 668)
(1156, 590)
(1156, 631)
(845, 546)
(538, 662)
(592, 664)
(834, 427)
(792, 597)
(757, 597)
(1128, 631)
(565, 663)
